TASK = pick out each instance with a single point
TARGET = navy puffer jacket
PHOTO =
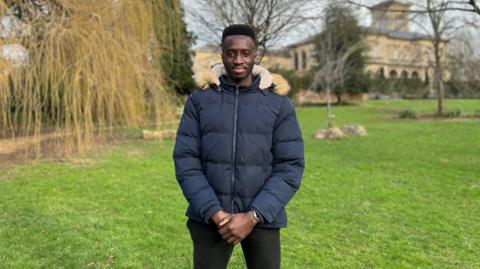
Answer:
(239, 148)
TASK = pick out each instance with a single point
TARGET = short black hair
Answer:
(239, 29)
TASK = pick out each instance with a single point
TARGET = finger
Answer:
(225, 220)
(232, 239)
(223, 230)
(227, 236)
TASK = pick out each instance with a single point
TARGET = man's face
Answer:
(238, 56)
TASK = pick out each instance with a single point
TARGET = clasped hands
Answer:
(234, 227)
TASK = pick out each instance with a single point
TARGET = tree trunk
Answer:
(329, 109)
(339, 98)
(440, 93)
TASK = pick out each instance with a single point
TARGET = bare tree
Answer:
(440, 25)
(464, 65)
(333, 68)
(459, 5)
(475, 6)
(271, 19)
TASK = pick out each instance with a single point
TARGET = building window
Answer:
(393, 74)
(374, 51)
(408, 52)
(404, 74)
(381, 72)
(396, 53)
(415, 74)
(295, 60)
(400, 22)
(383, 23)
(428, 55)
(304, 60)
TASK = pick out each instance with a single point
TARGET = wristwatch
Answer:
(255, 215)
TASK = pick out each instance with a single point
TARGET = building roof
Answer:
(411, 36)
(396, 34)
(307, 40)
(209, 48)
(386, 4)
(279, 52)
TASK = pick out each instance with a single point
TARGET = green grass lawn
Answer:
(405, 196)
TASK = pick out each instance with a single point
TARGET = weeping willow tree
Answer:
(90, 68)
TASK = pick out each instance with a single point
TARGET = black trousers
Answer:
(261, 247)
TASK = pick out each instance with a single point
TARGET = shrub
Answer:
(296, 82)
(453, 112)
(408, 88)
(407, 114)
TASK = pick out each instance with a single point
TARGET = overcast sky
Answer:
(301, 32)
(310, 28)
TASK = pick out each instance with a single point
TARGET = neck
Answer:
(244, 82)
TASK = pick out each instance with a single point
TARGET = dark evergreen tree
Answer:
(343, 32)
(175, 57)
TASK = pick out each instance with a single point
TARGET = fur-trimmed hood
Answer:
(267, 80)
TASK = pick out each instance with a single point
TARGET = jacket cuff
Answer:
(260, 216)
(210, 212)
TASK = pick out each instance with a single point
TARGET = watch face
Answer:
(255, 216)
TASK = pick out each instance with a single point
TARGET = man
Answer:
(238, 159)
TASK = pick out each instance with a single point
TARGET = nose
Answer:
(238, 59)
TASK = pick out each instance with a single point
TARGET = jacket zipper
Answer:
(234, 145)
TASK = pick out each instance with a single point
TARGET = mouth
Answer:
(238, 70)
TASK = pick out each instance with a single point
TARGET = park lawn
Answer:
(405, 196)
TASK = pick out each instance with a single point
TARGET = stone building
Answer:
(393, 50)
